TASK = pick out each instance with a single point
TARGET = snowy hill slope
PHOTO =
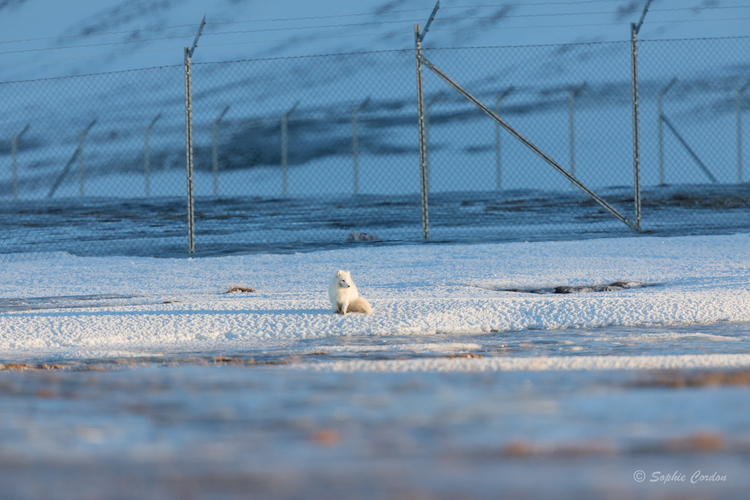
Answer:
(115, 35)
(46, 39)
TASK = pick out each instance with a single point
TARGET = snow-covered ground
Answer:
(76, 307)
(155, 379)
(465, 382)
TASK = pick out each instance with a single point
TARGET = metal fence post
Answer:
(659, 108)
(634, 29)
(189, 138)
(498, 151)
(422, 138)
(423, 180)
(739, 130)
(215, 150)
(147, 155)
(636, 140)
(355, 144)
(14, 153)
(189, 152)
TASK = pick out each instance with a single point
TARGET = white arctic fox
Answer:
(344, 295)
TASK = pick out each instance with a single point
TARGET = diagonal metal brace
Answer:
(530, 145)
(66, 169)
(28, 126)
(689, 150)
(222, 115)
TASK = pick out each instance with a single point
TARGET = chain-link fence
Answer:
(92, 165)
(693, 165)
(312, 152)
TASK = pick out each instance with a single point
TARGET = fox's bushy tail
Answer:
(360, 305)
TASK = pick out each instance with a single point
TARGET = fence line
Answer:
(357, 156)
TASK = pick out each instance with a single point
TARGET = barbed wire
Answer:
(90, 56)
(671, 21)
(439, 20)
(337, 54)
(577, 44)
(559, 14)
(475, 6)
(90, 45)
(400, 11)
(109, 54)
(372, 23)
(65, 37)
(295, 28)
(550, 14)
(397, 33)
(313, 37)
(329, 54)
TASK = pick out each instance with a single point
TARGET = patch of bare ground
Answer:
(522, 448)
(31, 366)
(241, 289)
(615, 286)
(698, 442)
(676, 379)
(225, 360)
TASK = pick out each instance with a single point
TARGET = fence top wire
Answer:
(579, 25)
(666, 40)
(90, 74)
(362, 14)
(290, 28)
(447, 48)
(393, 51)
(332, 54)
(576, 44)
(297, 28)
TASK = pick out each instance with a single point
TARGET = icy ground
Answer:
(236, 432)
(140, 378)
(125, 307)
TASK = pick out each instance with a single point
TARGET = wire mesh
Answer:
(577, 114)
(314, 152)
(700, 178)
(87, 177)
(291, 171)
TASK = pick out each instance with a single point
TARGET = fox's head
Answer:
(344, 279)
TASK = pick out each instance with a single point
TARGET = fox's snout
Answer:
(343, 284)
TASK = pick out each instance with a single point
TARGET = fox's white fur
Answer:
(344, 295)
